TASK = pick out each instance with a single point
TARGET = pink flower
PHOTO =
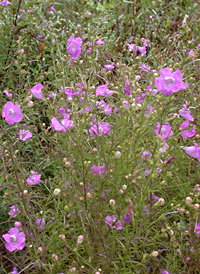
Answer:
(185, 112)
(149, 111)
(191, 53)
(107, 109)
(12, 113)
(169, 82)
(197, 229)
(52, 8)
(188, 133)
(24, 135)
(146, 154)
(74, 46)
(193, 151)
(112, 222)
(165, 131)
(184, 125)
(97, 170)
(109, 67)
(52, 95)
(14, 211)
(4, 3)
(131, 47)
(103, 91)
(14, 239)
(142, 50)
(40, 222)
(100, 42)
(37, 91)
(63, 125)
(127, 87)
(165, 272)
(34, 179)
(70, 93)
(99, 129)
(145, 68)
(7, 93)
(14, 271)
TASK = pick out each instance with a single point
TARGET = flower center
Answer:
(73, 47)
(11, 113)
(13, 239)
(169, 82)
(163, 131)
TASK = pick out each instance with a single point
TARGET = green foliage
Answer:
(33, 44)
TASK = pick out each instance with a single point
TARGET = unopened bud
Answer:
(188, 201)
(154, 254)
(125, 105)
(118, 154)
(112, 202)
(56, 191)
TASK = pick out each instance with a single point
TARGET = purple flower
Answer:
(165, 131)
(103, 91)
(99, 129)
(14, 239)
(14, 271)
(197, 229)
(131, 47)
(24, 135)
(184, 125)
(52, 8)
(112, 222)
(127, 87)
(40, 222)
(169, 82)
(12, 113)
(129, 214)
(34, 179)
(146, 154)
(4, 3)
(139, 98)
(13, 211)
(37, 91)
(74, 46)
(165, 272)
(106, 107)
(7, 93)
(189, 133)
(100, 42)
(145, 68)
(63, 125)
(147, 171)
(142, 50)
(97, 170)
(70, 93)
(52, 95)
(149, 111)
(193, 151)
(154, 199)
(110, 66)
(185, 113)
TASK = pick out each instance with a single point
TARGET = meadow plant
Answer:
(99, 127)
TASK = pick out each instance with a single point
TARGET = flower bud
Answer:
(154, 254)
(56, 191)
(112, 202)
(125, 105)
(17, 224)
(30, 104)
(188, 201)
(80, 240)
(118, 154)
